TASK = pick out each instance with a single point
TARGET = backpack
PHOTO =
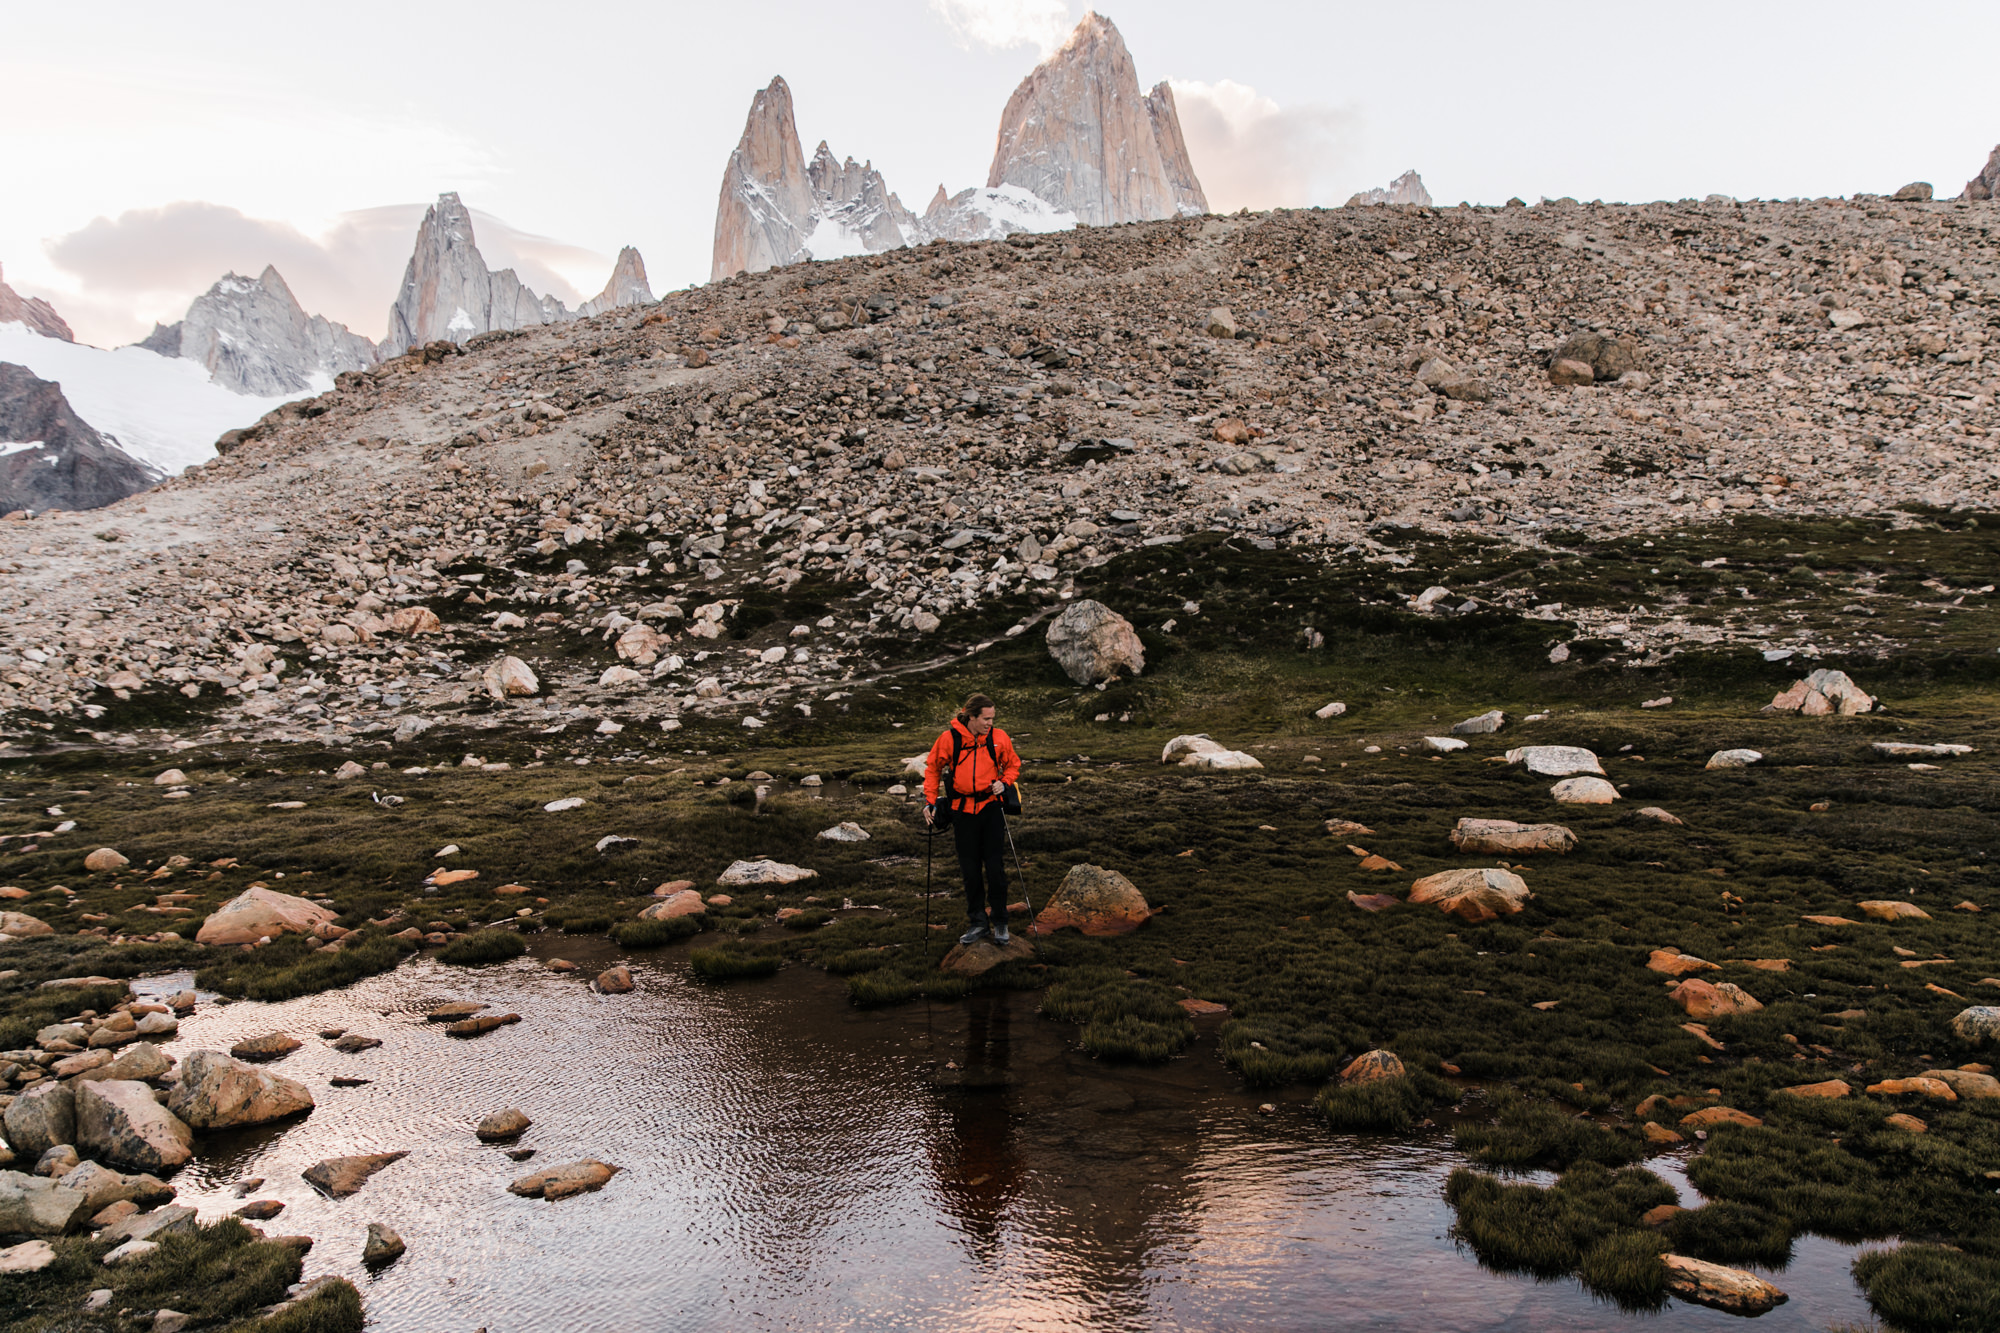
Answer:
(1010, 797)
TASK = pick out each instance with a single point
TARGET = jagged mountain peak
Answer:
(253, 337)
(32, 311)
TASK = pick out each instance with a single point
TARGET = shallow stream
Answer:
(791, 1162)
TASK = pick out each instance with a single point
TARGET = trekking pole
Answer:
(1018, 868)
(929, 839)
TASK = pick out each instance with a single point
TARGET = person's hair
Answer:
(974, 706)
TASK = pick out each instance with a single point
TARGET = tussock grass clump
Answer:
(810, 919)
(214, 1273)
(1529, 1134)
(724, 964)
(655, 934)
(1931, 1289)
(851, 962)
(1268, 1055)
(1731, 1233)
(483, 946)
(906, 978)
(32, 1012)
(585, 925)
(1380, 1106)
(290, 966)
(1124, 1019)
(1589, 1216)
(334, 1308)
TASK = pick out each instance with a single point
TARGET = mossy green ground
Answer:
(1254, 891)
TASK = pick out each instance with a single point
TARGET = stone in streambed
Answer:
(982, 956)
(687, 902)
(1095, 901)
(119, 1121)
(257, 914)
(1728, 1289)
(472, 1027)
(501, 1125)
(40, 1118)
(354, 1043)
(342, 1176)
(38, 1206)
(614, 980)
(217, 1092)
(271, 1046)
(1372, 1067)
(559, 1182)
(103, 1187)
(382, 1246)
(452, 1012)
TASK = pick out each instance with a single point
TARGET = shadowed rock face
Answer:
(762, 219)
(1983, 186)
(33, 311)
(1079, 135)
(627, 286)
(69, 466)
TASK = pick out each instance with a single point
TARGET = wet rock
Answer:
(40, 1118)
(1733, 759)
(1975, 1026)
(342, 1176)
(615, 980)
(501, 1125)
(982, 956)
(1703, 999)
(217, 1092)
(1372, 1067)
(472, 1027)
(1556, 761)
(687, 902)
(1659, 1136)
(1935, 1089)
(103, 1187)
(258, 914)
(262, 1210)
(452, 1011)
(21, 926)
(383, 1246)
(1832, 1087)
(38, 1206)
(1675, 963)
(742, 874)
(105, 859)
(354, 1043)
(1823, 692)
(1719, 1288)
(1894, 909)
(1495, 836)
(1484, 725)
(1093, 643)
(1095, 901)
(30, 1256)
(120, 1122)
(559, 1182)
(1584, 791)
(271, 1046)
(1473, 896)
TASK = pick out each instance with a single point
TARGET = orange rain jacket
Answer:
(972, 783)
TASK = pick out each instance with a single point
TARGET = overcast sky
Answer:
(148, 147)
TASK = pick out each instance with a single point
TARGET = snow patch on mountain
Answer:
(163, 411)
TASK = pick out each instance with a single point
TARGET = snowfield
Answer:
(163, 411)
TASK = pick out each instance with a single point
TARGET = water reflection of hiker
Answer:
(971, 764)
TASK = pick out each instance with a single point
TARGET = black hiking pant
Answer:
(982, 853)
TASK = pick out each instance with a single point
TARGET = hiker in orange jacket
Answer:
(971, 791)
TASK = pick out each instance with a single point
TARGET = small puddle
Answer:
(792, 1162)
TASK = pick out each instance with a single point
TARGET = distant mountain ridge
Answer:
(254, 338)
(32, 311)
(50, 458)
(1078, 142)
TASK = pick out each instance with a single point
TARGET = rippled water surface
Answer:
(790, 1162)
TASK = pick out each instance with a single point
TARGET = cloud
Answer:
(150, 263)
(1249, 152)
(1003, 24)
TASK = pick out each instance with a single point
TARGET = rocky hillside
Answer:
(33, 311)
(50, 458)
(733, 501)
(253, 337)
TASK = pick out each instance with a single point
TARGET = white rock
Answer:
(620, 675)
(744, 873)
(350, 769)
(30, 1256)
(1221, 761)
(566, 803)
(1733, 759)
(1905, 749)
(173, 777)
(1556, 761)
(1584, 791)
(845, 831)
(1444, 744)
(1181, 746)
(1334, 709)
(131, 1251)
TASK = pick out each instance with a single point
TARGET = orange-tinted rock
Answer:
(615, 980)
(472, 1027)
(1729, 1289)
(1660, 1214)
(1095, 901)
(1833, 1087)
(1473, 896)
(1202, 1008)
(1711, 1116)
(687, 902)
(1372, 902)
(1894, 909)
(1907, 1123)
(1660, 1136)
(674, 886)
(1494, 837)
(1374, 862)
(1676, 964)
(1829, 921)
(1702, 999)
(511, 889)
(342, 1176)
(1935, 1089)
(257, 913)
(1766, 964)
(1372, 1066)
(983, 955)
(446, 878)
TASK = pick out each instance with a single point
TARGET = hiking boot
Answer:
(972, 936)
(1000, 935)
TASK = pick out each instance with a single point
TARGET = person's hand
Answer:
(998, 787)
(930, 813)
